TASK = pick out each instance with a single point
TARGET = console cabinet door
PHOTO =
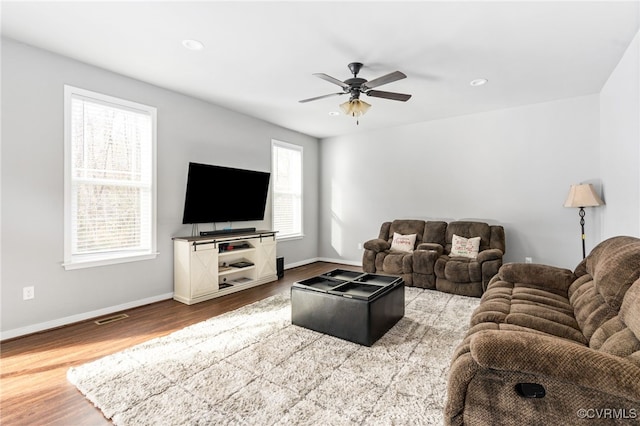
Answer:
(266, 252)
(204, 269)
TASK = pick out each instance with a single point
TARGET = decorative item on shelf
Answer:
(224, 267)
(241, 264)
(581, 196)
(241, 280)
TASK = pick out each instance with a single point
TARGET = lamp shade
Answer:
(355, 107)
(583, 195)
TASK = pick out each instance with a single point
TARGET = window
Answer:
(286, 172)
(110, 180)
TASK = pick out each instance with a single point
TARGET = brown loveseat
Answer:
(552, 346)
(430, 264)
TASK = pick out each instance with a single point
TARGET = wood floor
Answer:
(33, 384)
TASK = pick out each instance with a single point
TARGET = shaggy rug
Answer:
(252, 366)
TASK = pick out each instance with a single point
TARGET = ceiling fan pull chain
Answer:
(353, 114)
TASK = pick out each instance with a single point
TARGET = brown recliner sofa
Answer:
(430, 265)
(552, 346)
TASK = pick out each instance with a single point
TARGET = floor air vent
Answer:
(107, 320)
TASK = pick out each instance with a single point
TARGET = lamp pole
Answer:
(581, 213)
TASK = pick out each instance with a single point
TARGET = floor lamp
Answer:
(581, 196)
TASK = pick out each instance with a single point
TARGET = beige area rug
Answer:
(252, 367)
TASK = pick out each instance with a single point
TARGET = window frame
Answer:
(280, 144)
(111, 257)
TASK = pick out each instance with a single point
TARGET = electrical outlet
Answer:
(28, 293)
(359, 246)
(528, 260)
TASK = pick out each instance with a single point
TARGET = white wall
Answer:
(32, 186)
(620, 145)
(511, 167)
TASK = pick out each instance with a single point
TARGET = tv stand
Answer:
(202, 266)
(226, 231)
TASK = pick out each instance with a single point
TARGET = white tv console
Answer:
(202, 266)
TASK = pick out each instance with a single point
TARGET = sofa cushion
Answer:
(393, 263)
(620, 335)
(630, 309)
(458, 269)
(613, 265)
(465, 247)
(529, 307)
(404, 243)
(407, 227)
(545, 277)
(605, 277)
(434, 232)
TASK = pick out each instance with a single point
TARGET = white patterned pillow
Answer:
(465, 247)
(403, 242)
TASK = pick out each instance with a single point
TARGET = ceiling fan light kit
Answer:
(355, 86)
(355, 108)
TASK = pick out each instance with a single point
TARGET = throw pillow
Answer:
(403, 242)
(465, 247)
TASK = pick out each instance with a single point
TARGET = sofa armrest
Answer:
(489, 254)
(547, 356)
(377, 245)
(431, 246)
(424, 260)
(544, 276)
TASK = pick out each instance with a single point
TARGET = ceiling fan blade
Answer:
(394, 76)
(321, 97)
(332, 80)
(388, 95)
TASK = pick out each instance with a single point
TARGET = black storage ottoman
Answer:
(349, 305)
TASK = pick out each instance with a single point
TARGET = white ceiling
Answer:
(260, 56)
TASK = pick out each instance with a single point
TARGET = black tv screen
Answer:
(224, 194)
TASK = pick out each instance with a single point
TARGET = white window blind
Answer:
(109, 179)
(287, 189)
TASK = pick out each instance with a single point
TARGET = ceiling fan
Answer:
(355, 86)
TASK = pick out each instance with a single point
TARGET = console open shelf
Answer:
(235, 270)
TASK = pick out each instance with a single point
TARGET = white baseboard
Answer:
(322, 259)
(342, 261)
(47, 325)
(300, 263)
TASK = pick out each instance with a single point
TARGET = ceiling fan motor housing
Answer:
(355, 68)
(355, 83)
(355, 87)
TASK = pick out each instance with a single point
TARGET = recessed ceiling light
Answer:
(333, 113)
(192, 44)
(478, 82)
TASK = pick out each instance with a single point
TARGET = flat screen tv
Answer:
(224, 194)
